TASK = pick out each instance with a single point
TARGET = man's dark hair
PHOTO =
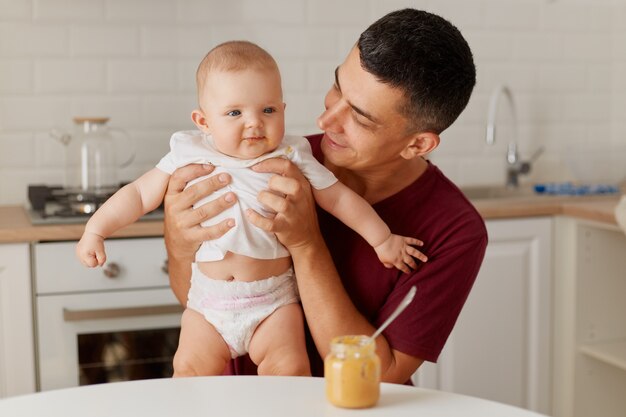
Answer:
(427, 58)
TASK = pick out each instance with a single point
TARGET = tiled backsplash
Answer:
(134, 61)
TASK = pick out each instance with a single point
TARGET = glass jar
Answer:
(352, 372)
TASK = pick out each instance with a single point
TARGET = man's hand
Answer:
(290, 196)
(183, 232)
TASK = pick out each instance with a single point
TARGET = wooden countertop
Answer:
(15, 225)
(595, 208)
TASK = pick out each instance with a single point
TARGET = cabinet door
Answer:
(17, 363)
(500, 347)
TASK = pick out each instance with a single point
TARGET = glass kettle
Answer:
(94, 153)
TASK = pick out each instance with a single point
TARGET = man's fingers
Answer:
(211, 209)
(280, 166)
(285, 185)
(183, 175)
(202, 233)
(259, 221)
(201, 189)
(273, 202)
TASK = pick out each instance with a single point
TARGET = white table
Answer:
(241, 396)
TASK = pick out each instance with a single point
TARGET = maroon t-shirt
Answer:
(435, 211)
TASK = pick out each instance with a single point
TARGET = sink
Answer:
(497, 191)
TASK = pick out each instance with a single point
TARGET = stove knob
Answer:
(111, 270)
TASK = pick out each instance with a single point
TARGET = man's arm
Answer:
(182, 223)
(330, 311)
(328, 308)
(356, 213)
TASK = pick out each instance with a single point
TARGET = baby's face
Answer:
(245, 112)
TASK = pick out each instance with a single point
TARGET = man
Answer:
(406, 80)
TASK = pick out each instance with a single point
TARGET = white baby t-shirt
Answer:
(195, 147)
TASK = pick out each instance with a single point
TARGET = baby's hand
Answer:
(399, 251)
(90, 250)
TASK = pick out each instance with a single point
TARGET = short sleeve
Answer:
(318, 175)
(168, 163)
(186, 147)
(443, 285)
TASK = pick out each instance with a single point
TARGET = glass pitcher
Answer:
(92, 156)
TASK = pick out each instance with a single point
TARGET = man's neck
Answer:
(377, 185)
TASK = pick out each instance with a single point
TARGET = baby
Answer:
(243, 296)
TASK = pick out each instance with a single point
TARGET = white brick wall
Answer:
(134, 61)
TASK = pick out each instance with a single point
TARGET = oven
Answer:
(116, 323)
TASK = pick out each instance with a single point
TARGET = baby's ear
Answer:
(199, 119)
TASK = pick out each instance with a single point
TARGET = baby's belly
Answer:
(244, 268)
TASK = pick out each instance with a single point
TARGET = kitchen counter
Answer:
(15, 225)
(595, 208)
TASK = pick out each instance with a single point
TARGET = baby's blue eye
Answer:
(234, 113)
(268, 110)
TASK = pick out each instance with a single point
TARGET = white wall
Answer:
(134, 61)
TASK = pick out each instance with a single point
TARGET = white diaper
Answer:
(236, 308)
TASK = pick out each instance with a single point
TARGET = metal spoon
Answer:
(403, 304)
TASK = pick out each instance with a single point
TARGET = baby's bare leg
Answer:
(201, 349)
(277, 345)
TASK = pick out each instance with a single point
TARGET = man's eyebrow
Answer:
(355, 108)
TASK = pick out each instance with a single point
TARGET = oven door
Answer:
(106, 336)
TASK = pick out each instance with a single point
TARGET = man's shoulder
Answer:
(454, 211)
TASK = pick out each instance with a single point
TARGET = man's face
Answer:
(244, 111)
(362, 124)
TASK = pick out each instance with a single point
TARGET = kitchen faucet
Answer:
(515, 165)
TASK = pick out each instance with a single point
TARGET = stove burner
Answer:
(55, 204)
(63, 202)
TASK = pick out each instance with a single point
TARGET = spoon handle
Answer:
(403, 304)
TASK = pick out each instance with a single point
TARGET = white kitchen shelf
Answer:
(611, 353)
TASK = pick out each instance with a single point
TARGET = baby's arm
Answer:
(356, 213)
(123, 208)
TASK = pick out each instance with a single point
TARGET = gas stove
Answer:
(59, 205)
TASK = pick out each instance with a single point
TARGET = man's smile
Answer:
(331, 143)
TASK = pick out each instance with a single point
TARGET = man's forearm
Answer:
(329, 310)
(180, 277)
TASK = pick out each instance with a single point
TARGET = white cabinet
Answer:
(17, 363)
(590, 320)
(500, 348)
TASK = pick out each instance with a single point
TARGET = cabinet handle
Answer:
(124, 312)
(165, 266)
(111, 270)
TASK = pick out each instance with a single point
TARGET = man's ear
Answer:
(198, 118)
(420, 144)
